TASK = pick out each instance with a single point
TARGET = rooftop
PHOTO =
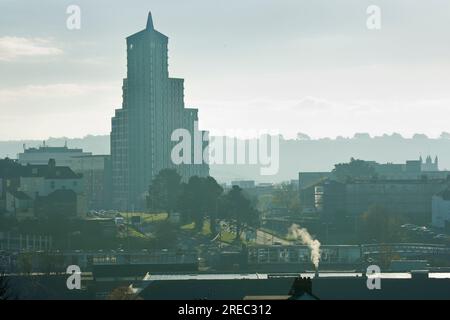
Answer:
(20, 195)
(49, 172)
(47, 149)
(263, 276)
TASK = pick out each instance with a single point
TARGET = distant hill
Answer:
(94, 144)
(295, 155)
(322, 154)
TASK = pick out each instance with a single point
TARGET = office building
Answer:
(152, 108)
(408, 198)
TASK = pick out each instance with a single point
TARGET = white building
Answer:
(94, 168)
(42, 184)
(441, 209)
(63, 156)
(44, 181)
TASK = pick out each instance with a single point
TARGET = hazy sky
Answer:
(288, 65)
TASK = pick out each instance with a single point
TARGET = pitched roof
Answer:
(50, 172)
(19, 195)
(10, 168)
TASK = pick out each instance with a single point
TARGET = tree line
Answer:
(200, 199)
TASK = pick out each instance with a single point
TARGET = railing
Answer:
(338, 254)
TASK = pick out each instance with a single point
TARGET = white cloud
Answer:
(321, 117)
(12, 48)
(54, 91)
(312, 103)
(60, 109)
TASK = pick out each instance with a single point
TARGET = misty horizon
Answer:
(300, 136)
(295, 155)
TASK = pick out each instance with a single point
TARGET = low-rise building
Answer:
(40, 190)
(41, 180)
(96, 170)
(19, 203)
(10, 172)
(306, 186)
(407, 198)
(244, 184)
(63, 156)
(405, 188)
(441, 209)
(60, 202)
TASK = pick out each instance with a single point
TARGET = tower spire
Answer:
(149, 21)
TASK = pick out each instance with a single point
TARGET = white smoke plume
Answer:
(313, 244)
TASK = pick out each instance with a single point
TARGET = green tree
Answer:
(287, 197)
(184, 203)
(197, 191)
(238, 210)
(25, 262)
(213, 191)
(355, 169)
(123, 293)
(49, 263)
(60, 228)
(386, 256)
(4, 288)
(191, 201)
(164, 191)
(199, 199)
(379, 225)
(165, 235)
(7, 223)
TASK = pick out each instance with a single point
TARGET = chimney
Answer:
(419, 274)
(301, 285)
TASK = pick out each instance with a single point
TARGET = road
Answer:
(264, 238)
